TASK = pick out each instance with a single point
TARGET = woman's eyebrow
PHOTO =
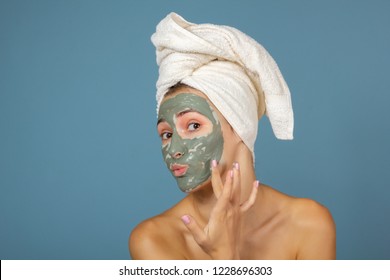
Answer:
(185, 112)
(160, 120)
(179, 114)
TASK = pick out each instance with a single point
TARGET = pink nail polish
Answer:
(257, 183)
(185, 219)
(231, 173)
(237, 165)
(214, 163)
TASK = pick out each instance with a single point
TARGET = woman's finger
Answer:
(236, 190)
(216, 181)
(252, 198)
(197, 232)
(226, 191)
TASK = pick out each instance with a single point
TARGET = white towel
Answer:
(235, 72)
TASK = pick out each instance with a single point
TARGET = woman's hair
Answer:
(176, 87)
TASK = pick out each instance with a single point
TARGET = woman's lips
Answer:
(178, 169)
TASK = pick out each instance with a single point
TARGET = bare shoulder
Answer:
(310, 213)
(158, 238)
(315, 227)
(310, 226)
(151, 239)
(302, 210)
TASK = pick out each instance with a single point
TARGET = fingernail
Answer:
(185, 219)
(257, 183)
(236, 165)
(214, 163)
(231, 173)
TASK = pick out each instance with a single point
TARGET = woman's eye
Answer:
(193, 126)
(166, 135)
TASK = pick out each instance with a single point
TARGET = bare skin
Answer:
(231, 216)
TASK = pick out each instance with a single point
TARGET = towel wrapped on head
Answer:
(235, 72)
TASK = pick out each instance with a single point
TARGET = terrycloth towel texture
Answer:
(235, 72)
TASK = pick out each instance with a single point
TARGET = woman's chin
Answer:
(199, 187)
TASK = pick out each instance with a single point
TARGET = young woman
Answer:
(214, 84)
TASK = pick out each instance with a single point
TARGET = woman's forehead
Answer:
(184, 89)
(173, 107)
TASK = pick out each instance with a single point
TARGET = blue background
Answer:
(80, 159)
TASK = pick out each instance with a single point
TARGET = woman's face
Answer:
(191, 136)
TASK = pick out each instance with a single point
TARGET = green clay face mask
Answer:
(194, 139)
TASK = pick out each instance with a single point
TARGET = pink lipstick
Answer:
(178, 169)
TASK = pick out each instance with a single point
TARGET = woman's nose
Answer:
(177, 155)
(177, 147)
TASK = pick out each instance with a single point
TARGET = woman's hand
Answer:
(220, 238)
